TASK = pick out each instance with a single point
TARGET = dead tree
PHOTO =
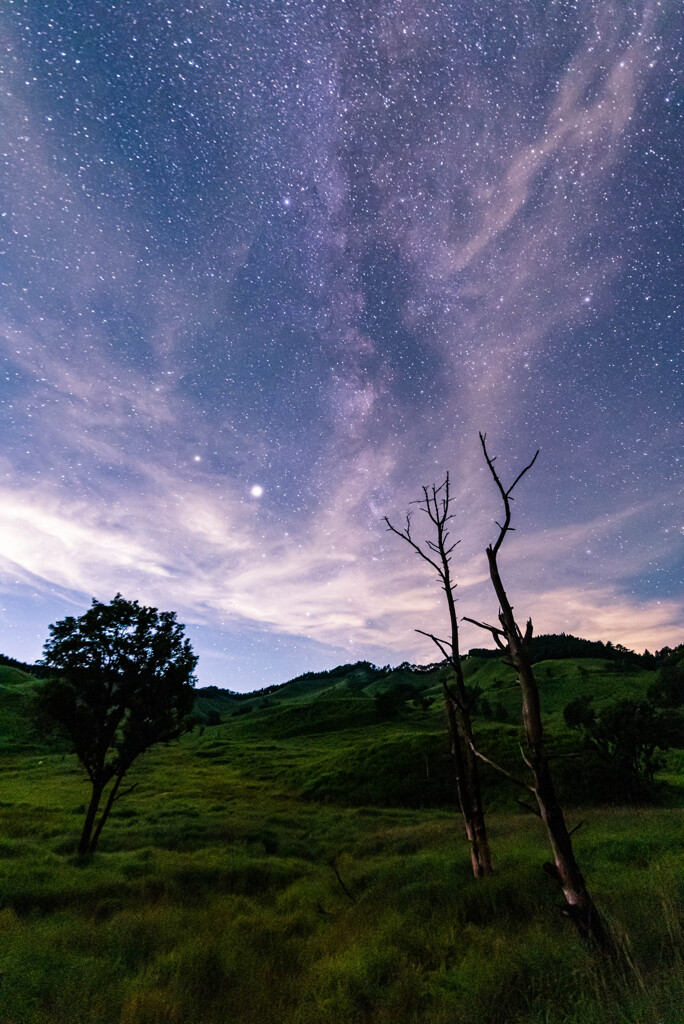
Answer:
(510, 639)
(437, 553)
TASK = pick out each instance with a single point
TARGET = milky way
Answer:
(268, 267)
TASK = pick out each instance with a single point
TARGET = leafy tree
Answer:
(668, 689)
(627, 736)
(389, 702)
(126, 683)
(579, 713)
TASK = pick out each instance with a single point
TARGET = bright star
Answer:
(256, 491)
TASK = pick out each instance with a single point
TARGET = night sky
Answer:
(268, 267)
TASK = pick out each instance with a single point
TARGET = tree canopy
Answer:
(126, 682)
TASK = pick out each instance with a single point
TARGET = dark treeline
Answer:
(358, 667)
(558, 646)
(39, 671)
(366, 672)
(546, 647)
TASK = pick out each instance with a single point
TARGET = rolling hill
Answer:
(360, 734)
(297, 857)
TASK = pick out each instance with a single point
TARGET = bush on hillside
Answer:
(622, 747)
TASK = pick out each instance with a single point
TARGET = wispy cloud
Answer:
(335, 580)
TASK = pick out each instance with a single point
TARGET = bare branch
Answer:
(522, 472)
(529, 807)
(494, 630)
(522, 754)
(505, 494)
(406, 535)
(439, 643)
(125, 792)
(576, 828)
(502, 771)
(451, 660)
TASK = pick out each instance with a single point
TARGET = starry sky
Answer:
(268, 266)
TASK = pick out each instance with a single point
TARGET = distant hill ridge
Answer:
(558, 646)
(546, 647)
(360, 733)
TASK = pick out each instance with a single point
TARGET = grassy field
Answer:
(301, 864)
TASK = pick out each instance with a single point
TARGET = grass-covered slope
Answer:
(17, 732)
(560, 681)
(301, 861)
(221, 897)
(329, 736)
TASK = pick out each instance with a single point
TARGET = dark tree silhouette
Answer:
(509, 638)
(437, 553)
(627, 737)
(126, 683)
(668, 689)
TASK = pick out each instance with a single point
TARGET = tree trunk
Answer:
(580, 905)
(105, 814)
(468, 791)
(476, 826)
(84, 842)
(471, 808)
(436, 505)
(470, 794)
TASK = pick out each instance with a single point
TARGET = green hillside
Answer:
(297, 859)
(360, 735)
(560, 681)
(16, 719)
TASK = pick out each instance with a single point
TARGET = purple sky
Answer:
(269, 267)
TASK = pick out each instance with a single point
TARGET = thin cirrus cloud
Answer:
(578, 132)
(197, 553)
(498, 278)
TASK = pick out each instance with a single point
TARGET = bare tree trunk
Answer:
(580, 905)
(509, 637)
(435, 504)
(476, 828)
(468, 791)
